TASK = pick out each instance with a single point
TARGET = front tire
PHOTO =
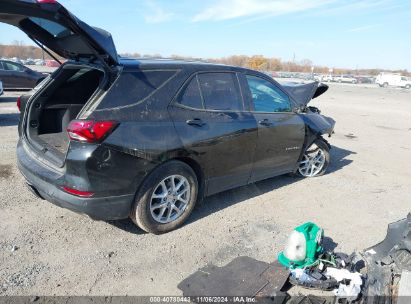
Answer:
(315, 160)
(166, 198)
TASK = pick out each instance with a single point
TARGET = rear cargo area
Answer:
(59, 103)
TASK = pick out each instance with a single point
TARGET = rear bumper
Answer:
(47, 183)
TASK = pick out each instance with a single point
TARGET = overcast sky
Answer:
(350, 33)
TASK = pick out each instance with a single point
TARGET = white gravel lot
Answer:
(58, 252)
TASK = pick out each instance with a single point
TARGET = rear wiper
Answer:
(44, 49)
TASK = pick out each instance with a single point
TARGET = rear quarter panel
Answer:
(144, 138)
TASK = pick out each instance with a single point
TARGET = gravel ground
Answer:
(46, 250)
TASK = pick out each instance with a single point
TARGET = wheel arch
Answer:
(311, 136)
(199, 174)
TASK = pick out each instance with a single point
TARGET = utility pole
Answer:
(293, 61)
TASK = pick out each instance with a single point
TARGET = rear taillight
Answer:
(90, 131)
(78, 192)
(18, 103)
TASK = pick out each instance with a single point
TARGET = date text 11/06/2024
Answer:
(203, 299)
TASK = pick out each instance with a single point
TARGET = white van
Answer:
(388, 79)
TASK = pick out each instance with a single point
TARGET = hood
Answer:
(49, 23)
(303, 93)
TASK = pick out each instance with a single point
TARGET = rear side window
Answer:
(192, 95)
(213, 91)
(135, 87)
(220, 91)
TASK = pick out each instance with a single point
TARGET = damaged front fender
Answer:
(318, 124)
(301, 95)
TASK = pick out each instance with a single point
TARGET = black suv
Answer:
(115, 138)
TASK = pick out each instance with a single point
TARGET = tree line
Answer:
(272, 64)
(256, 62)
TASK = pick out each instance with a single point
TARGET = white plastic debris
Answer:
(298, 273)
(350, 291)
(301, 275)
(371, 251)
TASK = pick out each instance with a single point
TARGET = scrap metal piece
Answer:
(242, 277)
(310, 280)
(398, 238)
(404, 291)
(402, 258)
(387, 261)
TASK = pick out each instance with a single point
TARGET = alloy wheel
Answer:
(313, 161)
(170, 199)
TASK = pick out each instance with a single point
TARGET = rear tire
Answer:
(150, 203)
(315, 160)
(385, 85)
(408, 86)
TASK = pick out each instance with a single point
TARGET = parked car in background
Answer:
(306, 76)
(39, 62)
(17, 76)
(30, 61)
(116, 138)
(16, 60)
(365, 79)
(345, 79)
(52, 63)
(1, 88)
(390, 79)
(327, 78)
(319, 77)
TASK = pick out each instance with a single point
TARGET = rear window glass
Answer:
(220, 91)
(192, 95)
(135, 87)
(53, 28)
